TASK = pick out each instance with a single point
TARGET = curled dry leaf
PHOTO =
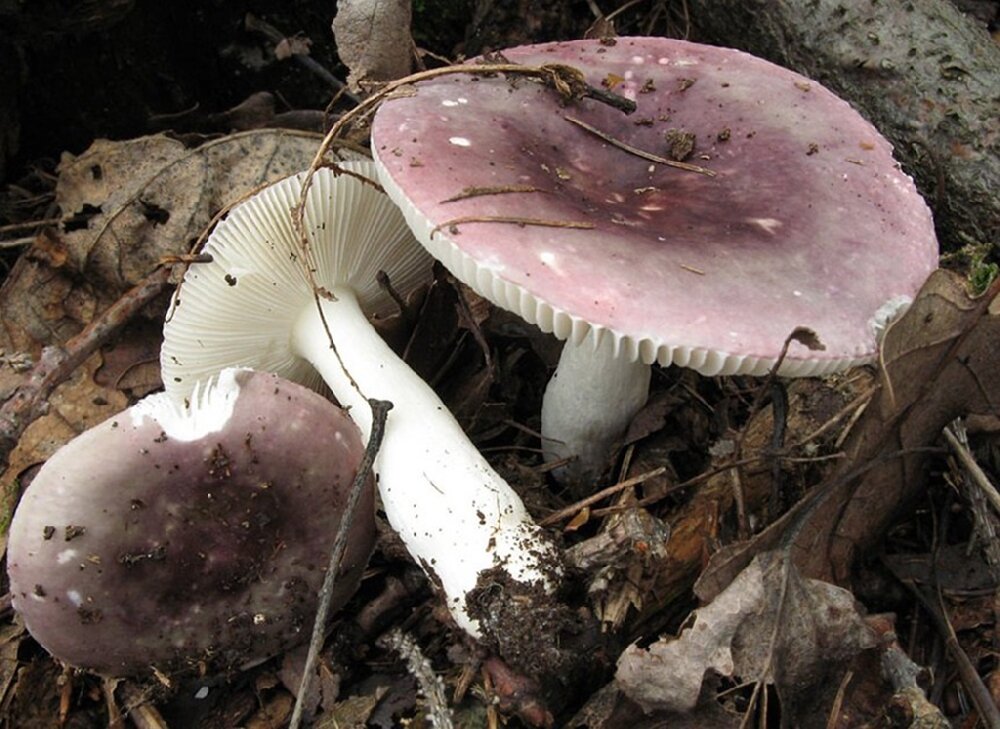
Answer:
(939, 361)
(146, 198)
(769, 625)
(373, 39)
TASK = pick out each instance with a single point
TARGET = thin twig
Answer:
(854, 405)
(989, 714)
(274, 35)
(453, 224)
(649, 156)
(798, 334)
(29, 224)
(468, 192)
(573, 509)
(380, 410)
(974, 470)
(16, 242)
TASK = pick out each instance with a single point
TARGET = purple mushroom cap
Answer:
(173, 539)
(805, 221)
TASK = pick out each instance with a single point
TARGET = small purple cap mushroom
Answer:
(168, 538)
(573, 217)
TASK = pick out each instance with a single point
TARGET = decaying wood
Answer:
(925, 74)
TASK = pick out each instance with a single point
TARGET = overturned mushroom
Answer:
(173, 538)
(740, 202)
(254, 305)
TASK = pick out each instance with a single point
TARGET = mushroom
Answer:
(741, 201)
(254, 305)
(173, 538)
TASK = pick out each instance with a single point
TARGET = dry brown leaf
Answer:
(39, 305)
(941, 360)
(768, 625)
(373, 39)
(151, 197)
(10, 639)
(294, 46)
(75, 406)
(353, 712)
(608, 708)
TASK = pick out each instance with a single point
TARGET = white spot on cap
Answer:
(74, 597)
(460, 141)
(449, 102)
(768, 224)
(796, 293)
(66, 556)
(547, 257)
(663, 61)
(638, 59)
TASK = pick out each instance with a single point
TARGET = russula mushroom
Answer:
(178, 538)
(255, 306)
(791, 213)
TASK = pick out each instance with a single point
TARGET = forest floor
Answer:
(744, 485)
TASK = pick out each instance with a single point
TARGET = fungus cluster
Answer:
(740, 201)
(176, 538)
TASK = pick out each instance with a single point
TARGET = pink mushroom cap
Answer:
(807, 220)
(180, 544)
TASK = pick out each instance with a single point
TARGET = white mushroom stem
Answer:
(588, 404)
(456, 516)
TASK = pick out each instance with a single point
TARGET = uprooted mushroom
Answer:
(267, 303)
(739, 203)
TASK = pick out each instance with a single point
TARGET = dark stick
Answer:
(380, 410)
(307, 62)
